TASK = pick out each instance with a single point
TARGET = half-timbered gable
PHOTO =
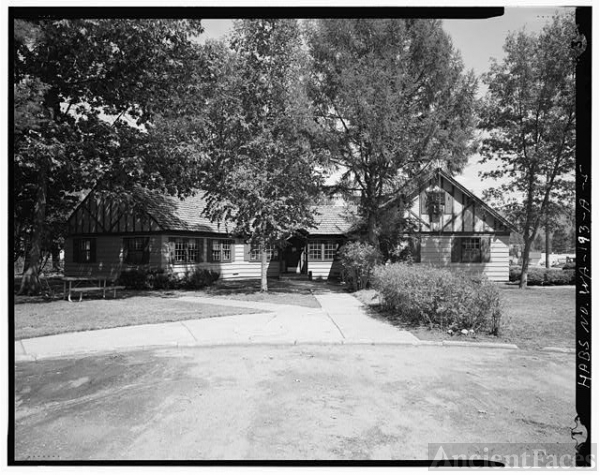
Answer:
(108, 235)
(453, 227)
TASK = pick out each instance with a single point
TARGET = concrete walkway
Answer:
(340, 320)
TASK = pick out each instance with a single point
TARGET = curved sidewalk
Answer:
(340, 320)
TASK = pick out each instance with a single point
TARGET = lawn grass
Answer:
(533, 318)
(36, 317)
(286, 292)
(39, 316)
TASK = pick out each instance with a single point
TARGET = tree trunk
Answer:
(547, 246)
(372, 236)
(263, 267)
(55, 251)
(30, 283)
(525, 265)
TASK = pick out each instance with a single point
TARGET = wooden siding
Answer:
(325, 269)
(109, 257)
(238, 269)
(436, 251)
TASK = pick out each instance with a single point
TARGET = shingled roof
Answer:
(173, 214)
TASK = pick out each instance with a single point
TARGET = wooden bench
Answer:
(99, 284)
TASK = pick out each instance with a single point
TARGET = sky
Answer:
(478, 41)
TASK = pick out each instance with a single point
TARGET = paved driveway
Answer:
(306, 402)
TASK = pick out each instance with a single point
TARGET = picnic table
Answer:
(94, 283)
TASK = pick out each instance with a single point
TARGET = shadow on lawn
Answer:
(219, 289)
(276, 286)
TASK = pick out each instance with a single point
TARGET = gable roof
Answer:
(332, 219)
(423, 180)
(173, 214)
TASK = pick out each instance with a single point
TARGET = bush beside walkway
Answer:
(533, 318)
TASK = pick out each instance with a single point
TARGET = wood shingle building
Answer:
(455, 229)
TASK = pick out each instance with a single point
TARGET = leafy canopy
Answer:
(529, 114)
(391, 97)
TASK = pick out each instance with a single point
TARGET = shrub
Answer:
(199, 278)
(543, 276)
(136, 279)
(161, 280)
(158, 279)
(438, 297)
(358, 260)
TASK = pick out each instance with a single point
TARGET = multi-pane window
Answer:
(322, 250)
(84, 250)
(436, 202)
(329, 250)
(255, 252)
(185, 250)
(220, 250)
(471, 250)
(315, 251)
(136, 250)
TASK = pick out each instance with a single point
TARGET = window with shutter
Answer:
(136, 250)
(221, 250)
(471, 250)
(84, 250)
(185, 250)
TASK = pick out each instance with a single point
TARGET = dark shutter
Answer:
(485, 249)
(146, 255)
(126, 249)
(209, 248)
(171, 251)
(200, 247)
(448, 204)
(232, 249)
(92, 250)
(76, 246)
(423, 199)
(247, 249)
(456, 249)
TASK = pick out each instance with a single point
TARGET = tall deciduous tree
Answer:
(529, 113)
(392, 96)
(84, 90)
(258, 162)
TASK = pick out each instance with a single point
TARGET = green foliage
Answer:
(199, 278)
(158, 279)
(136, 279)
(86, 94)
(438, 298)
(543, 276)
(358, 261)
(258, 164)
(391, 96)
